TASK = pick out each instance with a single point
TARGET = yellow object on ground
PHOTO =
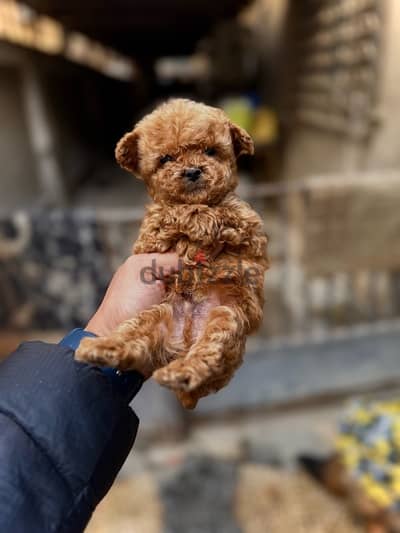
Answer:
(369, 444)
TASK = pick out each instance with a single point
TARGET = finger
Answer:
(167, 264)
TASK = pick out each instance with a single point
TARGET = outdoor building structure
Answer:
(316, 83)
(344, 69)
(324, 73)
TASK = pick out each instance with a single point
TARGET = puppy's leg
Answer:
(137, 344)
(211, 360)
(189, 399)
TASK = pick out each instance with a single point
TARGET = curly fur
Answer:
(194, 341)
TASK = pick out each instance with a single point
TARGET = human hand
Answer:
(138, 284)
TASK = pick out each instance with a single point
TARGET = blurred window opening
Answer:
(184, 69)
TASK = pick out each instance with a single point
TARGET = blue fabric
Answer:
(74, 337)
(65, 431)
(127, 383)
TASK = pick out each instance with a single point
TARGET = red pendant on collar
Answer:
(200, 257)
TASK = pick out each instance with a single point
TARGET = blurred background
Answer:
(316, 83)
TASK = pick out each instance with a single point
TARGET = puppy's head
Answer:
(185, 152)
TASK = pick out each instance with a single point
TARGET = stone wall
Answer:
(342, 81)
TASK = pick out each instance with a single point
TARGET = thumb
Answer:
(166, 264)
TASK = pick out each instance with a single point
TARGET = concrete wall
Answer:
(59, 124)
(315, 151)
(312, 152)
(384, 151)
(266, 19)
(18, 177)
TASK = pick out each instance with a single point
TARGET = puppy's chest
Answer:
(203, 225)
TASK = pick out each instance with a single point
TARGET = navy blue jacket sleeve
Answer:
(65, 432)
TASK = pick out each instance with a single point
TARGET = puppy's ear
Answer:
(126, 152)
(242, 142)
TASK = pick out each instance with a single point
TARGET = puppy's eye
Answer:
(210, 152)
(166, 159)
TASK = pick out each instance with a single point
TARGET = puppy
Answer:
(192, 342)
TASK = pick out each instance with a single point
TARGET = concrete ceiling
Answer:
(142, 28)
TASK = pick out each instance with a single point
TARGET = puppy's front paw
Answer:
(99, 352)
(178, 375)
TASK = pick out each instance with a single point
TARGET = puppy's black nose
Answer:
(192, 174)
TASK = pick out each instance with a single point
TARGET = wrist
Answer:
(99, 326)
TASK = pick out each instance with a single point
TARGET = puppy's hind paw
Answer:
(188, 400)
(99, 352)
(177, 376)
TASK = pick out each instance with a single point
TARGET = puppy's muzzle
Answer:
(192, 174)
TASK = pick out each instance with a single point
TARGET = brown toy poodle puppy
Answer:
(194, 341)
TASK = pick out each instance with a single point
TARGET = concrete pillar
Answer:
(51, 183)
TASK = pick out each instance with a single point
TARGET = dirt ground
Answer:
(264, 500)
(229, 477)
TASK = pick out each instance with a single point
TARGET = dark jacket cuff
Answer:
(127, 384)
(73, 430)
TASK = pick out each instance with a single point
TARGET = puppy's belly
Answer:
(190, 317)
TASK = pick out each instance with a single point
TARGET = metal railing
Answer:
(335, 255)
